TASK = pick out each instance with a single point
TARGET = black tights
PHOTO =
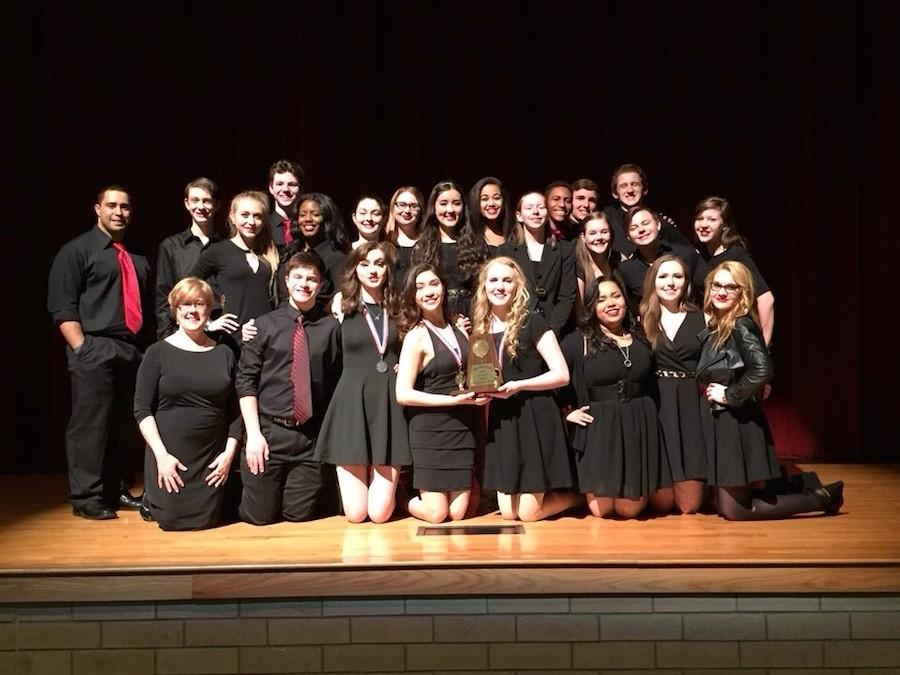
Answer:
(742, 503)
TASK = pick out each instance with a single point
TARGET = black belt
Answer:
(623, 390)
(677, 374)
(286, 422)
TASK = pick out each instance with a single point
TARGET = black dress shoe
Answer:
(835, 492)
(94, 511)
(146, 516)
(129, 502)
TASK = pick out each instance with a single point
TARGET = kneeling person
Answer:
(285, 381)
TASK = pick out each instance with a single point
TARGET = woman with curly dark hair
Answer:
(450, 243)
(622, 464)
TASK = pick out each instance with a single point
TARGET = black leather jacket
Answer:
(742, 364)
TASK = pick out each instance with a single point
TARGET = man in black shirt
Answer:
(644, 233)
(179, 253)
(285, 183)
(558, 196)
(99, 296)
(281, 479)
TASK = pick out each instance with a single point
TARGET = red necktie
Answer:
(286, 224)
(131, 294)
(300, 375)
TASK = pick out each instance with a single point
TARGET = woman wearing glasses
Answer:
(403, 226)
(185, 406)
(733, 368)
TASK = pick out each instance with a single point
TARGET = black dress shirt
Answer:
(177, 256)
(265, 366)
(635, 268)
(276, 229)
(85, 285)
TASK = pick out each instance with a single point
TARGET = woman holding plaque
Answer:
(617, 441)
(431, 384)
(526, 455)
(364, 430)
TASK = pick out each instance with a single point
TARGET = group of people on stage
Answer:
(326, 363)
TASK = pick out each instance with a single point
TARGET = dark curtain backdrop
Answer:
(789, 109)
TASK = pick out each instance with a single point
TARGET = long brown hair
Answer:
(518, 310)
(650, 304)
(597, 340)
(410, 315)
(263, 245)
(351, 297)
(723, 324)
(549, 237)
(583, 255)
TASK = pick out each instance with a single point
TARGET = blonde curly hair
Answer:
(518, 309)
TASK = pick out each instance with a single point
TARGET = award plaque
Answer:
(483, 368)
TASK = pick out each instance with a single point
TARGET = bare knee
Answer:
(601, 507)
(355, 513)
(630, 508)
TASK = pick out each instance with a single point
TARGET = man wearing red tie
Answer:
(97, 294)
(285, 183)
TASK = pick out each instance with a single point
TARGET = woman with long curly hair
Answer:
(431, 384)
(733, 368)
(672, 325)
(491, 213)
(449, 242)
(622, 465)
(364, 431)
(526, 457)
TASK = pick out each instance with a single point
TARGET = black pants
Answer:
(289, 486)
(102, 437)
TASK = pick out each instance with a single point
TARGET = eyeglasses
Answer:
(196, 304)
(731, 289)
(403, 206)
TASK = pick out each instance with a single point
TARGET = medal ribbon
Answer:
(454, 348)
(380, 345)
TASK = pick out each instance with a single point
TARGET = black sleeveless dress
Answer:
(526, 442)
(442, 440)
(680, 407)
(364, 423)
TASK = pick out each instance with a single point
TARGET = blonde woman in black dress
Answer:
(186, 409)
(526, 457)
(364, 432)
(431, 384)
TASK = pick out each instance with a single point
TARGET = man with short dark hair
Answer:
(585, 195)
(285, 380)
(179, 253)
(558, 196)
(99, 294)
(285, 186)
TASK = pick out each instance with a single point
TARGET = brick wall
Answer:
(501, 635)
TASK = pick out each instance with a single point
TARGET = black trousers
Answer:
(102, 438)
(289, 487)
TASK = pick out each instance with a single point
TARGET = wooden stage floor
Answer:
(47, 555)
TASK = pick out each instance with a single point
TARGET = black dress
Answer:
(622, 452)
(738, 440)
(680, 405)
(224, 264)
(442, 440)
(191, 396)
(526, 444)
(364, 423)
